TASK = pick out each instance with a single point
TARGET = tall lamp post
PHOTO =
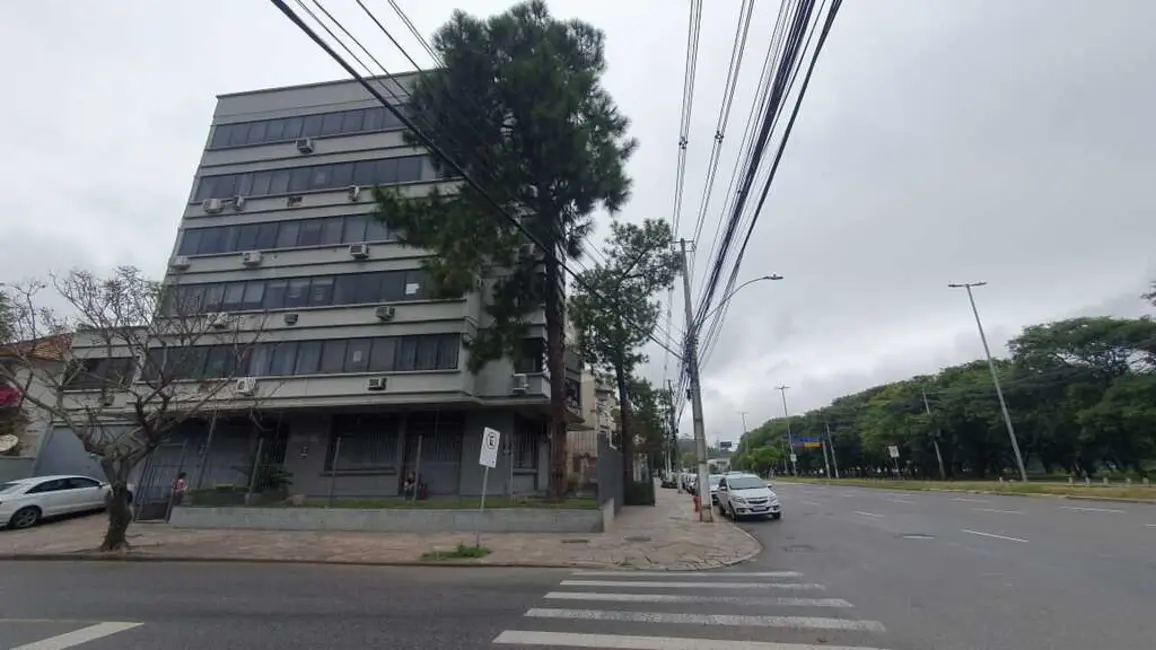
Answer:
(1011, 432)
(691, 361)
(790, 443)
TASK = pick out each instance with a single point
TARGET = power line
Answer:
(435, 149)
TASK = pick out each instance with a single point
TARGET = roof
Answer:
(319, 84)
(48, 348)
(50, 477)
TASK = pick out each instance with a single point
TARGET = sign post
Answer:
(894, 451)
(488, 459)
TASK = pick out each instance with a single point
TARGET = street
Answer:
(955, 571)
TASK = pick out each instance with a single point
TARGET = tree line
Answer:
(1081, 394)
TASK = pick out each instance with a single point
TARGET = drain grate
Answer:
(575, 541)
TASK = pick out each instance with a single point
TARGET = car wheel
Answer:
(25, 517)
(777, 516)
(731, 513)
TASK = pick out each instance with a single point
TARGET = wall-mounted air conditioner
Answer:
(354, 193)
(305, 145)
(294, 201)
(290, 319)
(359, 251)
(251, 258)
(375, 383)
(180, 263)
(521, 384)
(245, 386)
(238, 203)
(385, 313)
(218, 321)
(107, 399)
(211, 206)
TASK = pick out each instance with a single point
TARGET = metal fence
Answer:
(610, 484)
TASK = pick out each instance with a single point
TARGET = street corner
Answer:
(58, 634)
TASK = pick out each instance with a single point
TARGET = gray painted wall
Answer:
(15, 467)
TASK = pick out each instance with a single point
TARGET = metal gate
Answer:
(152, 498)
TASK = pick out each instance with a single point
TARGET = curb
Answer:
(1038, 495)
(188, 559)
(759, 548)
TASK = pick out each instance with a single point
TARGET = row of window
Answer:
(326, 357)
(286, 129)
(363, 173)
(326, 231)
(290, 293)
(112, 372)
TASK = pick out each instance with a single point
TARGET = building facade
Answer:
(359, 376)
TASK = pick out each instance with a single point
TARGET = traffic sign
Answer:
(794, 458)
(491, 442)
(894, 450)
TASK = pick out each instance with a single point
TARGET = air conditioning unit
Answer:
(467, 338)
(385, 313)
(294, 201)
(218, 320)
(107, 399)
(211, 206)
(238, 203)
(251, 258)
(180, 263)
(245, 386)
(521, 384)
(375, 383)
(305, 145)
(290, 319)
(354, 193)
(359, 251)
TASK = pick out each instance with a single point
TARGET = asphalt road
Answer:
(976, 572)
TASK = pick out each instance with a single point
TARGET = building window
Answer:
(85, 374)
(524, 444)
(387, 171)
(277, 235)
(363, 443)
(360, 120)
(531, 356)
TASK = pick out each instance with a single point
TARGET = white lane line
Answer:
(867, 514)
(747, 601)
(677, 574)
(77, 637)
(970, 500)
(630, 642)
(812, 503)
(641, 584)
(733, 620)
(1007, 512)
(1112, 510)
(899, 500)
(1150, 525)
(994, 536)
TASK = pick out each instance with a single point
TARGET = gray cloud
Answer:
(939, 142)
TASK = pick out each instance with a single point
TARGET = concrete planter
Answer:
(387, 520)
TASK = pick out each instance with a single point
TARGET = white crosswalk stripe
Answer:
(655, 610)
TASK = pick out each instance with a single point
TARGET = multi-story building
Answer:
(360, 376)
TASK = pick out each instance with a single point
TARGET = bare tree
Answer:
(142, 358)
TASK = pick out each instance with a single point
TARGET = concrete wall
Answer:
(15, 467)
(508, 520)
(63, 453)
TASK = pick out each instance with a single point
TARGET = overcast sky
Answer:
(940, 141)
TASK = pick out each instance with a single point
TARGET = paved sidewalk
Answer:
(667, 536)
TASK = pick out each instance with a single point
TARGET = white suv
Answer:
(744, 495)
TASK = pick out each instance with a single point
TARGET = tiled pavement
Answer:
(667, 536)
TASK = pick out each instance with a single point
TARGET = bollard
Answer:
(696, 503)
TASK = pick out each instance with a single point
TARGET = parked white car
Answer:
(746, 495)
(25, 502)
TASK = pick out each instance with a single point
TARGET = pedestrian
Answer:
(179, 487)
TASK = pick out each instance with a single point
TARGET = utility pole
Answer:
(831, 442)
(1011, 432)
(935, 440)
(676, 449)
(743, 415)
(790, 441)
(705, 512)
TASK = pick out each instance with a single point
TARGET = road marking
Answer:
(992, 535)
(635, 584)
(867, 514)
(813, 503)
(737, 574)
(1009, 512)
(1150, 525)
(1112, 510)
(733, 620)
(77, 637)
(899, 500)
(749, 601)
(629, 642)
(970, 500)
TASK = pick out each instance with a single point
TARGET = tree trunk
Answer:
(556, 361)
(626, 435)
(119, 517)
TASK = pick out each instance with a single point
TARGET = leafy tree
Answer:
(123, 390)
(519, 105)
(614, 311)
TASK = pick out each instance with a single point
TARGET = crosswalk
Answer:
(658, 610)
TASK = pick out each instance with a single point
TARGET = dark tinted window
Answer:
(296, 293)
(362, 120)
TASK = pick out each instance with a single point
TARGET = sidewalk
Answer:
(667, 536)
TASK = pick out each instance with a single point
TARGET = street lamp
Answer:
(1011, 432)
(723, 302)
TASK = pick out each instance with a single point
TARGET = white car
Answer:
(747, 495)
(26, 501)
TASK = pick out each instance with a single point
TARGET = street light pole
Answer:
(743, 415)
(1011, 432)
(790, 441)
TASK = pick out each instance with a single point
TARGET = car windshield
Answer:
(714, 480)
(745, 483)
(9, 487)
